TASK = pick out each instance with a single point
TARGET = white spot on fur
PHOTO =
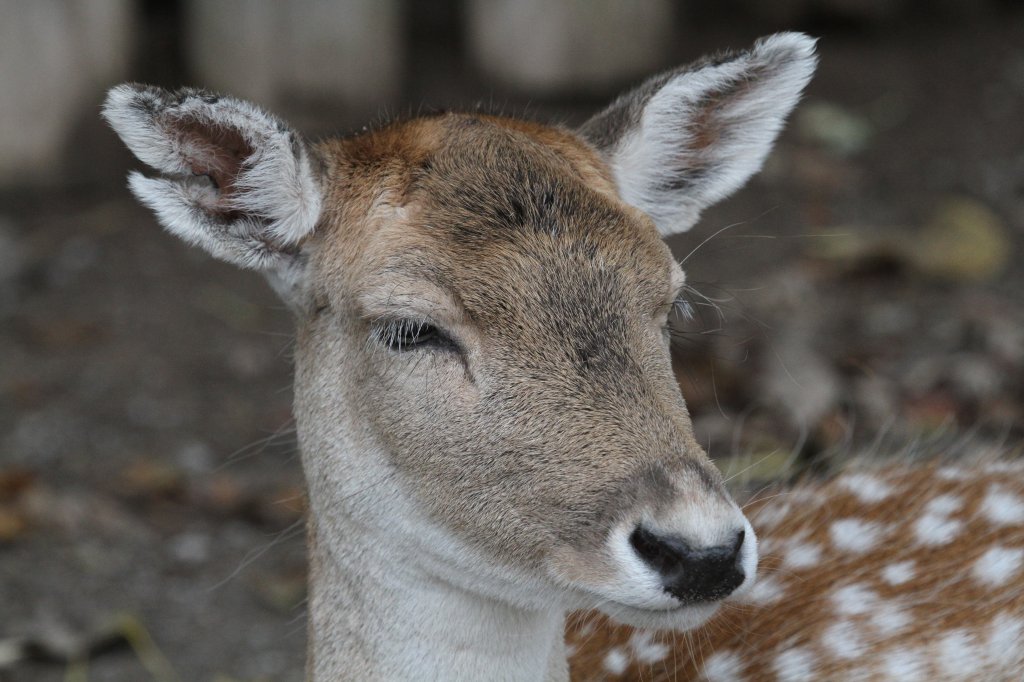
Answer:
(843, 639)
(889, 618)
(616, 661)
(855, 535)
(905, 665)
(944, 505)
(769, 517)
(958, 654)
(768, 545)
(996, 566)
(1002, 508)
(1006, 641)
(802, 555)
(1002, 468)
(645, 649)
(899, 572)
(869, 489)
(765, 591)
(723, 666)
(931, 529)
(795, 665)
(854, 600)
(953, 473)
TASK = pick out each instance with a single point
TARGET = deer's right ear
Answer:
(233, 179)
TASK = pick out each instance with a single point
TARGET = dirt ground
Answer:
(865, 293)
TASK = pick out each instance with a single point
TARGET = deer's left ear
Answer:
(690, 137)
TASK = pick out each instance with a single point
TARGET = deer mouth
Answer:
(679, 617)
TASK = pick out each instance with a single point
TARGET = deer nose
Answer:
(688, 573)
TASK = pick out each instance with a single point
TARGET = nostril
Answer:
(662, 553)
(737, 544)
(691, 574)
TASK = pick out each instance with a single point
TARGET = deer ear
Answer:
(687, 138)
(233, 179)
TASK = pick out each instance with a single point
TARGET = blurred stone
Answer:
(195, 457)
(889, 318)
(42, 436)
(57, 57)
(974, 376)
(1005, 339)
(191, 547)
(159, 411)
(569, 45)
(839, 130)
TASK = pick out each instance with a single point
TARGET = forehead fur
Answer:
(477, 203)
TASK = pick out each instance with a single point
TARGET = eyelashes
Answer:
(681, 309)
(406, 335)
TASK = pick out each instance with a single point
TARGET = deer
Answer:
(503, 479)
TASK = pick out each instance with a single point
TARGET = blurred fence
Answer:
(59, 56)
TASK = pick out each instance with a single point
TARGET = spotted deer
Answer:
(490, 429)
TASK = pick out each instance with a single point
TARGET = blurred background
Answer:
(864, 294)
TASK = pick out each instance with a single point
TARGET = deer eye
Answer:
(405, 335)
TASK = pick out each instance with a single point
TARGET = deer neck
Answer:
(376, 612)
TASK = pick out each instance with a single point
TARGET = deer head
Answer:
(483, 393)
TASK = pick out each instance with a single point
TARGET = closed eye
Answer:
(409, 334)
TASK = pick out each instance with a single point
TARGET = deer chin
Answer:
(682, 617)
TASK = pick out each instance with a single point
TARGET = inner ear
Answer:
(215, 151)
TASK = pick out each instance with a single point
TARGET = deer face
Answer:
(504, 324)
(482, 369)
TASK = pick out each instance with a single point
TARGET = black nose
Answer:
(688, 574)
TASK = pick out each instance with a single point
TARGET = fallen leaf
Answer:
(963, 240)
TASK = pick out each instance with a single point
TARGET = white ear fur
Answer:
(235, 180)
(688, 138)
